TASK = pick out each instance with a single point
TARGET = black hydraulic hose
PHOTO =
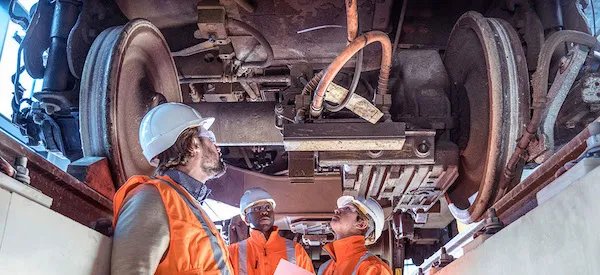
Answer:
(353, 85)
(260, 38)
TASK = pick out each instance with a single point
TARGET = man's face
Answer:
(345, 220)
(261, 216)
(211, 162)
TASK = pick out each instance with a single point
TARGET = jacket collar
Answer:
(197, 189)
(258, 237)
(346, 247)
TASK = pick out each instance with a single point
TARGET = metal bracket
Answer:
(568, 71)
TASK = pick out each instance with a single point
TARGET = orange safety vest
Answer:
(195, 245)
(258, 256)
(351, 256)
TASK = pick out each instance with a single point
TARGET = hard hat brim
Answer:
(344, 200)
(205, 123)
(271, 201)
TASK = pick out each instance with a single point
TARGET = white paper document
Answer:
(286, 268)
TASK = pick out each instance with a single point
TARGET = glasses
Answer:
(207, 134)
(354, 209)
(348, 208)
(260, 208)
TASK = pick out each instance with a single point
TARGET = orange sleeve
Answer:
(374, 267)
(303, 260)
(233, 258)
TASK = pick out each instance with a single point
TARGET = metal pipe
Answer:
(261, 39)
(249, 90)
(337, 64)
(399, 29)
(352, 19)
(312, 84)
(233, 79)
(540, 92)
(242, 123)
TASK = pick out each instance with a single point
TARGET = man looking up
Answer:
(261, 252)
(159, 225)
(355, 223)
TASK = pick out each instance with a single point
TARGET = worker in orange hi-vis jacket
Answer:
(356, 223)
(160, 227)
(261, 252)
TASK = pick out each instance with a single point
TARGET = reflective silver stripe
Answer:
(243, 265)
(364, 257)
(290, 250)
(214, 241)
(323, 267)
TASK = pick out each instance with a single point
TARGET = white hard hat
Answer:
(253, 196)
(371, 208)
(162, 125)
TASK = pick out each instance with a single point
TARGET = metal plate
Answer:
(128, 71)
(344, 137)
(486, 64)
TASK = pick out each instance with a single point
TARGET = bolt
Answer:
(492, 223)
(445, 259)
(279, 109)
(21, 171)
(212, 38)
(423, 148)
(375, 154)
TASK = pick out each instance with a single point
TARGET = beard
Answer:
(214, 169)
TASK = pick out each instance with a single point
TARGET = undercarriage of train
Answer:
(431, 107)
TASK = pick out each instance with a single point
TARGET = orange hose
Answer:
(359, 43)
(352, 19)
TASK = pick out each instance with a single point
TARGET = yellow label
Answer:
(398, 271)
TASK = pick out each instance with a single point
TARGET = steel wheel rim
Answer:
(505, 106)
(128, 71)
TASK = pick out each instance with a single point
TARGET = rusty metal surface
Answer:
(486, 63)
(539, 96)
(242, 124)
(351, 19)
(128, 71)
(420, 82)
(95, 173)
(317, 198)
(301, 167)
(522, 198)
(71, 197)
(557, 94)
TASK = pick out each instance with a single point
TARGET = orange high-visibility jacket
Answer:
(195, 245)
(350, 256)
(258, 256)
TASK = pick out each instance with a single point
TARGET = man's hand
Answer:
(6, 168)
